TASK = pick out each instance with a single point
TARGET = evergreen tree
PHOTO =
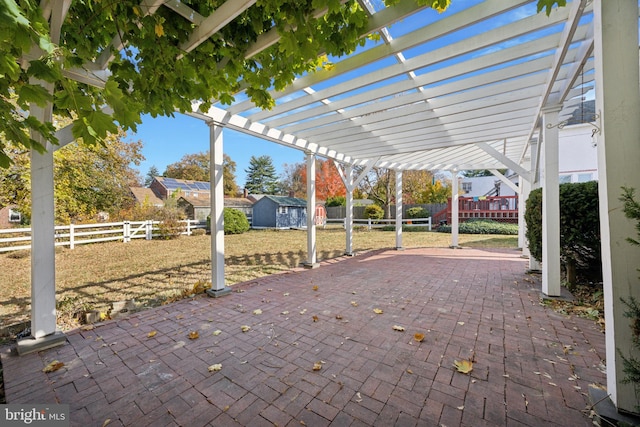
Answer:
(153, 172)
(261, 176)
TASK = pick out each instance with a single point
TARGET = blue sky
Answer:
(167, 139)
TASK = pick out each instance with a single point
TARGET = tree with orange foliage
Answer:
(328, 180)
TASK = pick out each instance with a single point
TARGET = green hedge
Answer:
(579, 229)
(482, 226)
(235, 222)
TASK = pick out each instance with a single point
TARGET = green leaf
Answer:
(48, 71)
(548, 5)
(72, 99)
(34, 94)
(124, 109)
(9, 66)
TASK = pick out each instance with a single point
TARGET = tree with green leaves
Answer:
(152, 173)
(87, 179)
(261, 176)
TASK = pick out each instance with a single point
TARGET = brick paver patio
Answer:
(532, 366)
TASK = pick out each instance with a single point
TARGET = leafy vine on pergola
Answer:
(154, 65)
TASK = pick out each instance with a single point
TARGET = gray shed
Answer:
(279, 212)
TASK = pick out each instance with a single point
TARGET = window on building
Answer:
(466, 187)
(585, 177)
(283, 209)
(564, 179)
(14, 216)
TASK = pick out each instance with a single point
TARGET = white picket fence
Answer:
(79, 234)
(381, 223)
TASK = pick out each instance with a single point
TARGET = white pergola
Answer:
(484, 86)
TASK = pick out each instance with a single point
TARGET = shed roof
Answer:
(286, 201)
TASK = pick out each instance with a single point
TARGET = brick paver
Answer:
(532, 366)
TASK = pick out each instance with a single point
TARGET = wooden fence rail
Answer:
(79, 234)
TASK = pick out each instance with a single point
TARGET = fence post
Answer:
(126, 228)
(71, 229)
(188, 227)
(369, 224)
(148, 229)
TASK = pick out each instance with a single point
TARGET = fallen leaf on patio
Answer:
(359, 397)
(353, 292)
(226, 408)
(461, 323)
(398, 328)
(377, 311)
(194, 335)
(53, 366)
(463, 366)
(217, 332)
(179, 316)
(315, 318)
(286, 294)
(302, 423)
(215, 368)
(245, 328)
(285, 313)
(269, 290)
(339, 317)
(151, 334)
(460, 407)
(409, 371)
(317, 366)
(257, 311)
(315, 287)
(303, 311)
(106, 422)
(418, 337)
(353, 303)
(87, 327)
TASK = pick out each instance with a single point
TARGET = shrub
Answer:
(418, 212)
(170, 226)
(482, 226)
(579, 230)
(373, 212)
(235, 222)
(336, 201)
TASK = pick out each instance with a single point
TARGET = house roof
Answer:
(183, 184)
(146, 195)
(286, 201)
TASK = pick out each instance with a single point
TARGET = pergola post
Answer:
(348, 225)
(399, 210)
(618, 105)
(551, 204)
(455, 212)
(311, 212)
(216, 156)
